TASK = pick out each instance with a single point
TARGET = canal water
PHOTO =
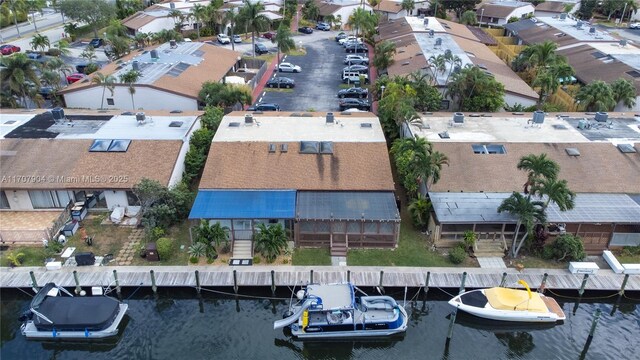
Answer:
(177, 324)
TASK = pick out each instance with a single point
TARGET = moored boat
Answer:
(55, 313)
(334, 311)
(505, 304)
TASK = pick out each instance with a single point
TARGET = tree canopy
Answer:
(475, 90)
(224, 95)
(96, 13)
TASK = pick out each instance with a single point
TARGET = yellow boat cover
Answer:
(512, 299)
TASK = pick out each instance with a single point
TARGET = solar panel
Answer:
(176, 124)
(119, 145)
(572, 151)
(100, 145)
(309, 147)
(626, 148)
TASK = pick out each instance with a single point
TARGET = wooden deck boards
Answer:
(184, 276)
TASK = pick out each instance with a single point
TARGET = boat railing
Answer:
(41, 316)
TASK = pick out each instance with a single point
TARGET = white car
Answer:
(289, 67)
(349, 38)
(224, 39)
(634, 25)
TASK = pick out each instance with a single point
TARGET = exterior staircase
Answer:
(488, 248)
(339, 247)
(242, 249)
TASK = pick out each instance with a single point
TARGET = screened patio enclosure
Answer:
(356, 219)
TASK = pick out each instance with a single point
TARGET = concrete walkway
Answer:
(491, 263)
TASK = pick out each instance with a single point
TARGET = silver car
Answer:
(289, 67)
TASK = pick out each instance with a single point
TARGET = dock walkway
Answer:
(221, 276)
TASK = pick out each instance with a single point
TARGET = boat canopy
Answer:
(513, 299)
(332, 296)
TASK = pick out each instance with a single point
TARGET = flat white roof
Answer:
(568, 26)
(285, 128)
(127, 127)
(417, 24)
(512, 128)
(9, 122)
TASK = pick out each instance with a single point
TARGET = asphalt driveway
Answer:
(318, 83)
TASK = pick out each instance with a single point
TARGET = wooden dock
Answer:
(223, 276)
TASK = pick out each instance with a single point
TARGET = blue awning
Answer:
(244, 204)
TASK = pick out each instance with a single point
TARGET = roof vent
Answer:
(172, 6)
(135, 65)
(592, 30)
(623, 43)
(572, 151)
(58, 113)
(234, 124)
(579, 25)
(458, 118)
(431, 33)
(326, 147)
(140, 117)
(330, 118)
(447, 53)
(176, 124)
(172, 43)
(444, 135)
(626, 148)
(406, 63)
(601, 116)
(248, 119)
(365, 125)
(438, 42)
(284, 147)
(425, 22)
(272, 148)
(538, 117)
(563, 16)
(154, 55)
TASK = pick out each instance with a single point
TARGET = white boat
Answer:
(334, 311)
(55, 313)
(505, 304)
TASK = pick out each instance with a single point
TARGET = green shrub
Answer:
(155, 233)
(469, 239)
(165, 248)
(631, 250)
(193, 260)
(457, 255)
(53, 52)
(193, 36)
(256, 259)
(566, 247)
(91, 68)
(205, 32)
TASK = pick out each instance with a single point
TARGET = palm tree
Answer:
(40, 42)
(408, 6)
(435, 160)
(596, 96)
(419, 209)
(469, 17)
(453, 61)
(546, 81)
(538, 167)
(71, 28)
(283, 40)
(63, 47)
(383, 57)
(34, 6)
(215, 16)
(57, 64)
(52, 79)
(176, 15)
(438, 64)
(556, 191)
(527, 212)
(199, 14)
(18, 70)
(543, 54)
(250, 14)
(624, 91)
(231, 17)
(106, 81)
(270, 241)
(130, 78)
(15, 8)
(310, 11)
(89, 54)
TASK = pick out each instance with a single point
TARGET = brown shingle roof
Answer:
(407, 59)
(541, 33)
(216, 63)
(138, 20)
(249, 165)
(326, 8)
(496, 11)
(551, 6)
(393, 28)
(600, 168)
(68, 164)
(388, 6)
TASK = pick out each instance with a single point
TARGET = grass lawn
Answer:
(33, 255)
(297, 52)
(181, 242)
(626, 259)
(412, 251)
(107, 239)
(531, 262)
(268, 89)
(265, 57)
(320, 256)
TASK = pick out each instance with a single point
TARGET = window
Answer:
(488, 149)
(353, 227)
(110, 101)
(47, 199)
(132, 199)
(80, 195)
(339, 227)
(273, 221)
(4, 202)
(386, 228)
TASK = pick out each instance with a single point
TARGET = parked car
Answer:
(9, 49)
(46, 92)
(223, 39)
(305, 30)
(351, 103)
(260, 49)
(354, 78)
(289, 67)
(362, 69)
(356, 48)
(281, 82)
(323, 26)
(352, 42)
(269, 35)
(96, 42)
(635, 25)
(356, 60)
(34, 55)
(341, 35)
(264, 107)
(353, 92)
(348, 38)
(237, 39)
(75, 77)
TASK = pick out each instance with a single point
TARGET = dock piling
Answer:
(426, 285)
(543, 284)
(584, 283)
(504, 279)
(118, 289)
(348, 276)
(33, 280)
(380, 286)
(311, 276)
(624, 284)
(75, 278)
(451, 323)
(273, 282)
(594, 323)
(197, 281)
(464, 278)
(235, 281)
(153, 282)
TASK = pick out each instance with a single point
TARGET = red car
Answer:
(75, 77)
(269, 35)
(9, 49)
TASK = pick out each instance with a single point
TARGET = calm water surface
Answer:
(178, 325)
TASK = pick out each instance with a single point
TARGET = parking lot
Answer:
(317, 85)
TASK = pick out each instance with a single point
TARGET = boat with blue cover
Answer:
(54, 313)
(325, 311)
